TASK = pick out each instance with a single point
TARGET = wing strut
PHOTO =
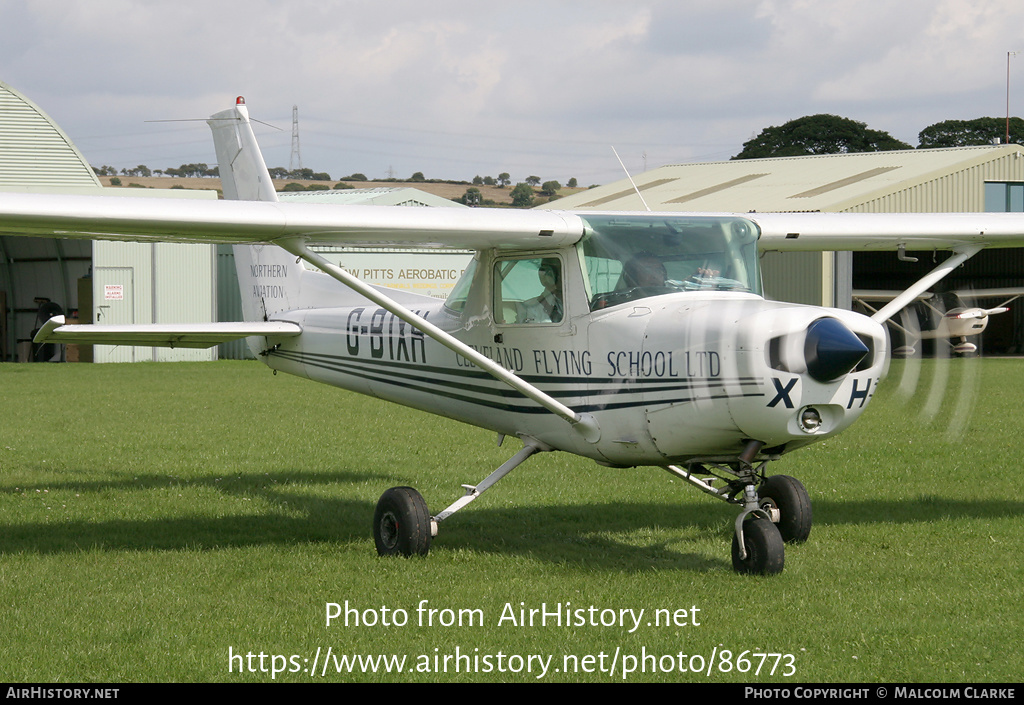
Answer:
(584, 424)
(963, 254)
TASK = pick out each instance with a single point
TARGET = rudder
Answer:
(269, 278)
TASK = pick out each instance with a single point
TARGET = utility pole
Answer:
(295, 161)
(1008, 55)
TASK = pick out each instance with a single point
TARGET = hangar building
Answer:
(966, 179)
(118, 282)
(125, 282)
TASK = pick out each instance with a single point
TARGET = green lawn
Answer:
(155, 519)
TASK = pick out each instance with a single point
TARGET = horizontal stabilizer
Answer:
(173, 335)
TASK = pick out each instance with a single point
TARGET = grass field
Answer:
(155, 519)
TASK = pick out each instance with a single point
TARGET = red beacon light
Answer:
(240, 100)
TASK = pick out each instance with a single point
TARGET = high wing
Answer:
(251, 222)
(1007, 294)
(252, 215)
(965, 234)
(295, 225)
(241, 222)
(792, 232)
(178, 335)
(876, 295)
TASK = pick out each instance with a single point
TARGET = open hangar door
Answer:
(989, 269)
(101, 282)
(34, 271)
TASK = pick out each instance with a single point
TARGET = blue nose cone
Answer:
(831, 349)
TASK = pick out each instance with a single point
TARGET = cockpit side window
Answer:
(528, 291)
(456, 300)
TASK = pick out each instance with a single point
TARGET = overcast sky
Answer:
(458, 88)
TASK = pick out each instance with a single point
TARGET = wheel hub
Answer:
(389, 529)
(769, 507)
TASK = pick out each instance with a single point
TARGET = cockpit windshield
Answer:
(628, 257)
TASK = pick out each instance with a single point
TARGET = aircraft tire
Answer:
(794, 504)
(766, 553)
(401, 523)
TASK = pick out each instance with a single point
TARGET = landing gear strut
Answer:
(776, 510)
(402, 526)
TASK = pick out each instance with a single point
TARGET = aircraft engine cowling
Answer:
(819, 375)
(784, 374)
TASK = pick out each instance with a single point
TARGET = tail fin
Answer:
(243, 173)
(268, 277)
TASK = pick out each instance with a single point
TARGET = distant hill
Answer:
(445, 190)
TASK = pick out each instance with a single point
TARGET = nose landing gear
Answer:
(788, 505)
(757, 548)
(776, 510)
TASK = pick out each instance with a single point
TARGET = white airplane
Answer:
(634, 339)
(941, 316)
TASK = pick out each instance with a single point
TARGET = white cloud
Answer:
(457, 88)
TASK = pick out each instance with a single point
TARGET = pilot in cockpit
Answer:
(547, 307)
(643, 269)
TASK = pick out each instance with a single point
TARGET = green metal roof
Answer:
(34, 151)
(907, 180)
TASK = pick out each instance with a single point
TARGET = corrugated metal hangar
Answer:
(136, 282)
(91, 281)
(966, 179)
(123, 282)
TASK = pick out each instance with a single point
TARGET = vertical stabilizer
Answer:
(243, 173)
(268, 277)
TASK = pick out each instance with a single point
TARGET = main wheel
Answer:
(766, 553)
(401, 523)
(789, 496)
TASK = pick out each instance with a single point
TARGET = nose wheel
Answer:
(776, 513)
(787, 503)
(764, 552)
(776, 509)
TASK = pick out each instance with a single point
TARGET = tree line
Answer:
(808, 135)
(523, 195)
(832, 134)
(188, 170)
(202, 170)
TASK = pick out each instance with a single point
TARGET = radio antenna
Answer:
(631, 180)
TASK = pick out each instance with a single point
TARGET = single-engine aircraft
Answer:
(634, 339)
(941, 316)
